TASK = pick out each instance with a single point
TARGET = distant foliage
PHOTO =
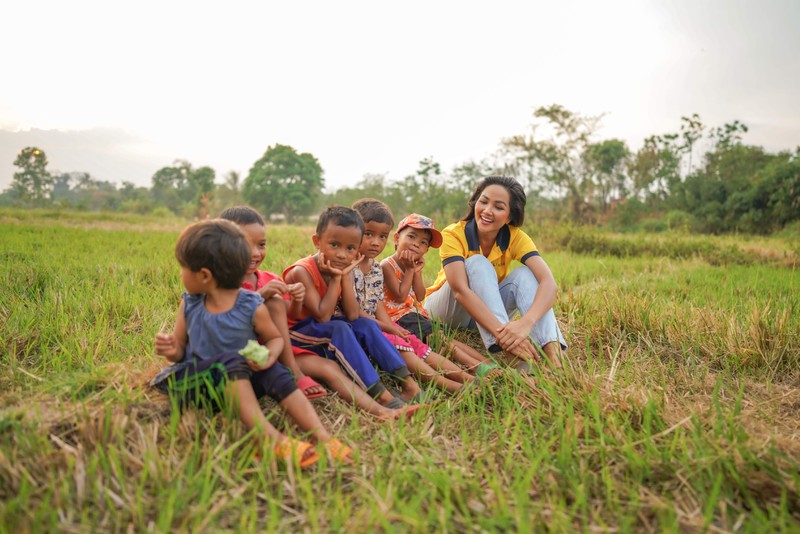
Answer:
(284, 182)
(699, 178)
(32, 183)
(584, 240)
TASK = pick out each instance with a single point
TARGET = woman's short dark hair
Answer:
(372, 209)
(217, 245)
(516, 193)
(339, 216)
(242, 215)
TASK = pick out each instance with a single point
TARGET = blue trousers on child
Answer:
(349, 342)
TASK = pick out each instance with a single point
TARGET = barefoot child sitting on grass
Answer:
(338, 238)
(216, 319)
(368, 281)
(402, 278)
(282, 298)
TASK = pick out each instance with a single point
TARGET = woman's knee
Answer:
(479, 265)
(523, 276)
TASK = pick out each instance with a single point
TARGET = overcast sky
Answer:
(120, 89)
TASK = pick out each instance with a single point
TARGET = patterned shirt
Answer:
(369, 287)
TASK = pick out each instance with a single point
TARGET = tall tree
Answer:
(32, 184)
(283, 181)
(655, 168)
(558, 157)
(691, 132)
(606, 163)
(181, 187)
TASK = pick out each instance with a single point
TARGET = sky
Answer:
(121, 89)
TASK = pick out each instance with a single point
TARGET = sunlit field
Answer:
(678, 410)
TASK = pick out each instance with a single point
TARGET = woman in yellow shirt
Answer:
(477, 288)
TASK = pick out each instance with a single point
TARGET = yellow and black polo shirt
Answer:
(460, 241)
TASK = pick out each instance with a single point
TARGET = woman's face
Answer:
(492, 209)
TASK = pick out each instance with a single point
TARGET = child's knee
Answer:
(276, 307)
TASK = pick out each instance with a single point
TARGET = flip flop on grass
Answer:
(338, 451)
(296, 451)
(524, 367)
(487, 370)
(307, 383)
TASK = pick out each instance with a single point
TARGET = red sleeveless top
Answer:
(308, 263)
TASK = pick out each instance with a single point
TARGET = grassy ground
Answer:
(678, 410)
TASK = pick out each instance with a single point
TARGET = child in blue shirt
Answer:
(216, 319)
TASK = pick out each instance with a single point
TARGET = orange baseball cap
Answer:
(415, 220)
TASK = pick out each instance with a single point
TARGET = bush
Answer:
(162, 211)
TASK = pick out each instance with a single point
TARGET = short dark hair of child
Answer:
(339, 216)
(373, 210)
(242, 215)
(216, 245)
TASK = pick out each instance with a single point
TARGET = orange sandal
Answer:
(338, 451)
(297, 451)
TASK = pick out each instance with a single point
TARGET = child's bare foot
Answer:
(394, 415)
(387, 400)
(410, 389)
(553, 352)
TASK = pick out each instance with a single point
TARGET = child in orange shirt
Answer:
(369, 284)
(402, 277)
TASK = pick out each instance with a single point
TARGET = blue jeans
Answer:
(515, 293)
(347, 343)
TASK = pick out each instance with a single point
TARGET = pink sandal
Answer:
(307, 383)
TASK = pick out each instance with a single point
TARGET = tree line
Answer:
(698, 178)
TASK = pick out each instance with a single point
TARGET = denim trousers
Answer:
(515, 293)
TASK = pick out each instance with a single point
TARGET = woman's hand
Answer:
(513, 337)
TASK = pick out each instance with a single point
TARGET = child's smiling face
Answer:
(376, 234)
(339, 244)
(413, 239)
(256, 235)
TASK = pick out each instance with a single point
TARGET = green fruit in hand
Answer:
(255, 352)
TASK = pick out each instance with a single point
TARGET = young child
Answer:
(402, 277)
(368, 280)
(338, 237)
(215, 320)
(281, 298)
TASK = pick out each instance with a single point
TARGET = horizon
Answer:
(382, 88)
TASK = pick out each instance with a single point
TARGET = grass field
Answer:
(679, 409)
